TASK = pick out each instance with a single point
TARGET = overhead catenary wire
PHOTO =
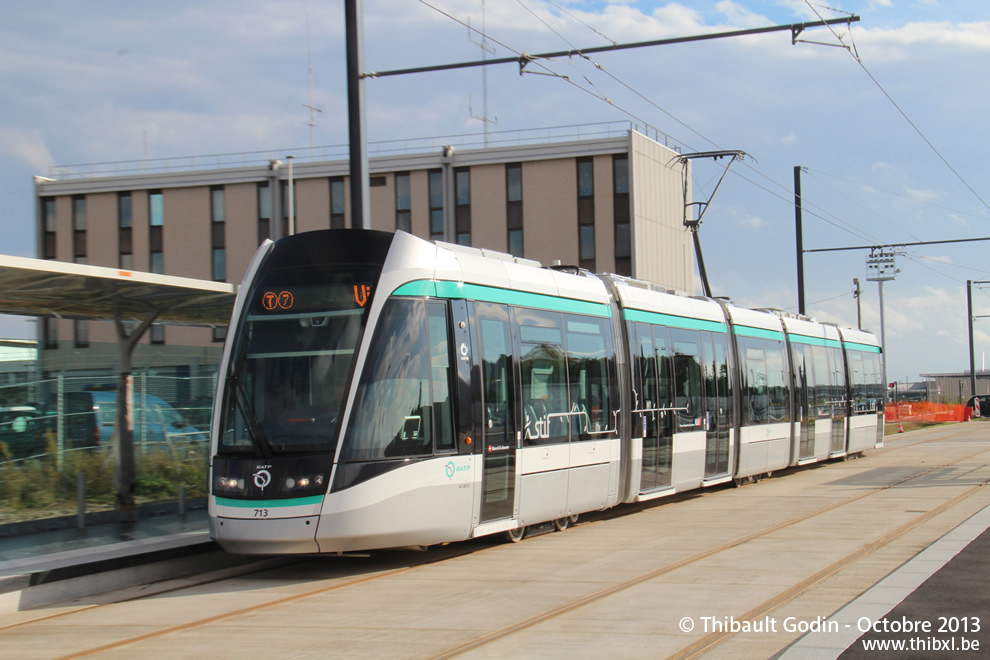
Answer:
(838, 222)
(867, 209)
(871, 187)
(848, 227)
(596, 31)
(859, 60)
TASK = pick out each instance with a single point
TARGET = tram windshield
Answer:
(292, 360)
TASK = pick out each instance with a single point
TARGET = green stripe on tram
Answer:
(269, 504)
(862, 347)
(656, 318)
(748, 331)
(481, 293)
(814, 341)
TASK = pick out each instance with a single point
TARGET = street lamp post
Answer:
(880, 268)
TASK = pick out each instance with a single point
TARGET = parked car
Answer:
(91, 415)
(18, 431)
(984, 407)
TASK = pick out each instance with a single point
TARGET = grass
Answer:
(37, 488)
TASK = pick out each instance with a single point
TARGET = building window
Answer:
(218, 216)
(337, 203)
(156, 208)
(285, 207)
(403, 220)
(156, 220)
(586, 213)
(462, 205)
(48, 211)
(80, 333)
(49, 331)
(219, 333)
(157, 333)
(79, 229)
(513, 208)
(436, 205)
(623, 238)
(264, 212)
(124, 250)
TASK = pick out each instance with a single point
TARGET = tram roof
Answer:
(40, 287)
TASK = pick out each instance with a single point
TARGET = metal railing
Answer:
(54, 429)
(462, 141)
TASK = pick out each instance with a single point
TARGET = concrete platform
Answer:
(723, 573)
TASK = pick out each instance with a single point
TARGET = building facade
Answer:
(612, 203)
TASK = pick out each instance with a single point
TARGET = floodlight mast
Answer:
(881, 266)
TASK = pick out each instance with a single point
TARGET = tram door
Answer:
(498, 418)
(652, 384)
(803, 380)
(717, 403)
(839, 400)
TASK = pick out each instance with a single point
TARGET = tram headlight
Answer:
(302, 483)
(230, 484)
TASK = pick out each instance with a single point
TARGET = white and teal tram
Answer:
(378, 390)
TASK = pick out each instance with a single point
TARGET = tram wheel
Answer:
(515, 535)
(769, 473)
(560, 524)
(738, 481)
(574, 518)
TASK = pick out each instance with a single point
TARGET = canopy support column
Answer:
(124, 471)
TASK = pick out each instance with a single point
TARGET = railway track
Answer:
(343, 578)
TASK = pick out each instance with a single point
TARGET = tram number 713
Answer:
(261, 513)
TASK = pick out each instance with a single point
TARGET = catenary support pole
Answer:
(799, 237)
(355, 112)
(969, 324)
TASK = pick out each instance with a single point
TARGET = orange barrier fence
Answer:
(925, 411)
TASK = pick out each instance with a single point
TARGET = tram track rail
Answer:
(696, 648)
(693, 650)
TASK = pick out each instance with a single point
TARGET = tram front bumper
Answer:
(272, 536)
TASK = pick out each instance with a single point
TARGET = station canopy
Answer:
(39, 287)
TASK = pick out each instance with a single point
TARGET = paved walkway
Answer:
(740, 573)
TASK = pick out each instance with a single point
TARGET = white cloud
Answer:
(26, 145)
(922, 195)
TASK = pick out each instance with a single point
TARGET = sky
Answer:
(885, 116)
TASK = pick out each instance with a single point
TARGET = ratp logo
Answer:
(451, 469)
(262, 478)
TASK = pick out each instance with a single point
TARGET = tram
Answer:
(378, 390)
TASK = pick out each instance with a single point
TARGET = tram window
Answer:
(803, 379)
(393, 409)
(440, 364)
(495, 364)
(856, 380)
(722, 376)
(766, 389)
(757, 399)
(777, 381)
(823, 388)
(665, 371)
(588, 369)
(647, 395)
(688, 378)
(838, 381)
(544, 377)
(865, 378)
